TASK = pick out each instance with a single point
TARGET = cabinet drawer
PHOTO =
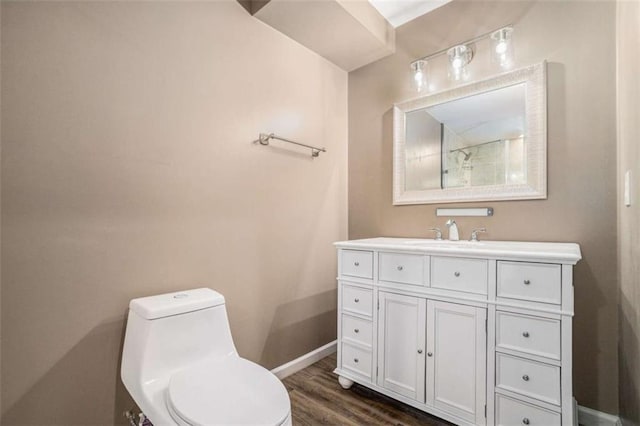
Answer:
(356, 360)
(357, 330)
(511, 412)
(357, 300)
(454, 273)
(533, 335)
(401, 268)
(535, 282)
(357, 263)
(529, 378)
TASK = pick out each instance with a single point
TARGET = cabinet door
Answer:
(401, 344)
(456, 359)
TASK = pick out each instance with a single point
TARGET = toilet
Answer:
(181, 367)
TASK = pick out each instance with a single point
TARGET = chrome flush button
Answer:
(180, 296)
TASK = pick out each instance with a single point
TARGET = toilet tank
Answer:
(171, 331)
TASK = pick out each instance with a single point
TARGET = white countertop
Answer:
(567, 253)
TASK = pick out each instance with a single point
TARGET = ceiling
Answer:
(399, 12)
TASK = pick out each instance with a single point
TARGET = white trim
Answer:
(305, 360)
(590, 417)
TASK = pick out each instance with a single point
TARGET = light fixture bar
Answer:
(473, 40)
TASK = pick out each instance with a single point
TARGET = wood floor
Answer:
(318, 399)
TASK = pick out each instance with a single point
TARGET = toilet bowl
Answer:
(244, 393)
(181, 367)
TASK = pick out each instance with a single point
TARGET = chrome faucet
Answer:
(474, 233)
(453, 230)
(438, 233)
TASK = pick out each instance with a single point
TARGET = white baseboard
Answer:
(590, 417)
(305, 360)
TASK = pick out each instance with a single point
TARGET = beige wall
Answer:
(628, 44)
(128, 170)
(578, 40)
(0, 227)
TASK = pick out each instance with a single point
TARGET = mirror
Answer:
(480, 142)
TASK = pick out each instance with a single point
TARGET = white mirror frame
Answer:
(535, 79)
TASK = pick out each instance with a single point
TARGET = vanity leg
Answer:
(344, 382)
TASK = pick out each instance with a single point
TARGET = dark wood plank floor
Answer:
(318, 399)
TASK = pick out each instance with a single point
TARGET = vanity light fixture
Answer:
(502, 53)
(419, 74)
(502, 47)
(459, 58)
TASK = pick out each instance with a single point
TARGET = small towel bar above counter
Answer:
(264, 140)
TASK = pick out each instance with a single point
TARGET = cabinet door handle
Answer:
(419, 351)
(527, 282)
(356, 263)
(356, 330)
(400, 268)
(356, 300)
(457, 274)
(356, 360)
(525, 421)
(525, 378)
(525, 334)
(429, 353)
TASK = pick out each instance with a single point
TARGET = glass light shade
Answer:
(459, 57)
(419, 76)
(502, 52)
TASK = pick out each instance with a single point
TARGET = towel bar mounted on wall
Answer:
(264, 140)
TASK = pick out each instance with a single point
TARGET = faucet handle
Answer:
(437, 231)
(474, 233)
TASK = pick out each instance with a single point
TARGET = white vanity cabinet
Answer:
(402, 344)
(456, 359)
(475, 333)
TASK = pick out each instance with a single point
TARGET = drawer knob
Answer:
(457, 274)
(525, 334)
(525, 378)
(400, 268)
(356, 330)
(419, 351)
(356, 360)
(527, 282)
(429, 353)
(525, 421)
(356, 300)
(356, 263)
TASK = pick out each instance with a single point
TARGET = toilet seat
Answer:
(229, 391)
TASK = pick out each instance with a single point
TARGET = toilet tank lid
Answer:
(164, 305)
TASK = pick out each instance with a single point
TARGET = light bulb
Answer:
(459, 57)
(419, 81)
(502, 43)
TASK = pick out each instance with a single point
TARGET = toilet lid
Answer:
(232, 391)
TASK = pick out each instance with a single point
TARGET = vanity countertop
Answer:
(567, 253)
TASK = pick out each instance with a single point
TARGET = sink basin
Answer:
(445, 243)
